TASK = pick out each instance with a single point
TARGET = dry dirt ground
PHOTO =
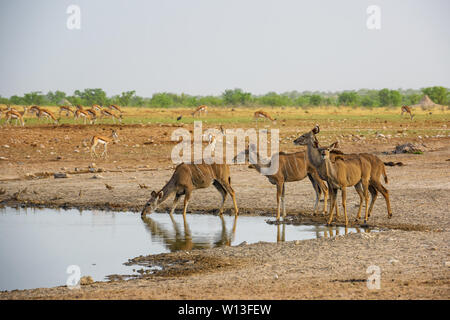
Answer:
(412, 250)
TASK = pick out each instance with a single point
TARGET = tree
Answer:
(125, 97)
(56, 97)
(162, 100)
(315, 100)
(236, 96)
(437, 94)
(92, 96)
(348, 98)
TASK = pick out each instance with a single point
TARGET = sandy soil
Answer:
(412, 251)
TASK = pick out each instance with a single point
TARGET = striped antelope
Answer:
(189, 177)
(377, 169)
(44, 113)
(291, 167)
(81, 113)
(16, 115)
(65, 109)
(262, 114)
(103, 140)
(92, 114)
(96, 107)
(406, 109)
(114, 107)
(107, 113)
(201, 109)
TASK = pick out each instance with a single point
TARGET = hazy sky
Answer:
(206, 46)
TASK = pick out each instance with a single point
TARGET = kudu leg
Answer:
(224, 194)
(175, 202)
(227, 186)
(283, 200)
(380, 188)
(344, 203)
(359, 190)
(187, 197)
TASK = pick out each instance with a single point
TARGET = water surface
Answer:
(37, 245)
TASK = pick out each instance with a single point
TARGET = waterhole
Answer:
(38, 245)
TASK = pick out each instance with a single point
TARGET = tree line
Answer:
(237, 97)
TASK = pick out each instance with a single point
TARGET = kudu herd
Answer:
(328, 169)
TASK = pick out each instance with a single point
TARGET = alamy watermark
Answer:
(74, 19)
(373, 21)
(374, 279)
(190, 149)
(73, 281)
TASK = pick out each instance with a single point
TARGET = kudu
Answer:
(377, 168)
(291, 167)
(189, 177)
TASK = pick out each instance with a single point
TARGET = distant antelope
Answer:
(65, 109)
(107, 113)
(44, 113)
(115, 108)
(96, 107)
(263, 115)
(79, 107)
(189, 177)
(406, 109)
(13, 114)
(92, 114)
(81, 114)
(103, 140)
(201, 109)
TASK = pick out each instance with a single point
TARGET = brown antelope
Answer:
(103, 140)
(189, 177)
(65, 109)
(114, 107)
(262, 114)
(13, 114)
(291, 167)
(44, 113)
(92, 114)
(201, 109)
(107, 113)
(377, 166)
(96, 107)
(406, 109)
(81, 113)
(79, 107)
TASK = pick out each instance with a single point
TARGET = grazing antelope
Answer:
(262, 114)
(115, 108)
(96, 107)
(92, 114)
(201, 109)
(44, 113)
(189, 177)
(13, 114)
(406, 109)
(81, 113)
(377, 168)
(79, 107)
(107, 113)
(291, 167)
(65, 109)
(103, 140)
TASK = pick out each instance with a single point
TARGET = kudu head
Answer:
(153, 203)
(309, 137)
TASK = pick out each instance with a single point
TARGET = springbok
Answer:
(201, 109)
(114, 107)
(107, 113)
(16, 115)
(262, 114)
(65, 109)
(103, 140)
(291, 167)
(377, 166)
(406, 109)
(44, 113)
(189, 177)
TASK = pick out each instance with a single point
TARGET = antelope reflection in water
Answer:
(183, 239)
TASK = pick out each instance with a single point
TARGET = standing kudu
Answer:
(377, 168)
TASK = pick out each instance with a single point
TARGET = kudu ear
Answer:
(316, 129)
(160, 194)
(333, 146)
(153, 194)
